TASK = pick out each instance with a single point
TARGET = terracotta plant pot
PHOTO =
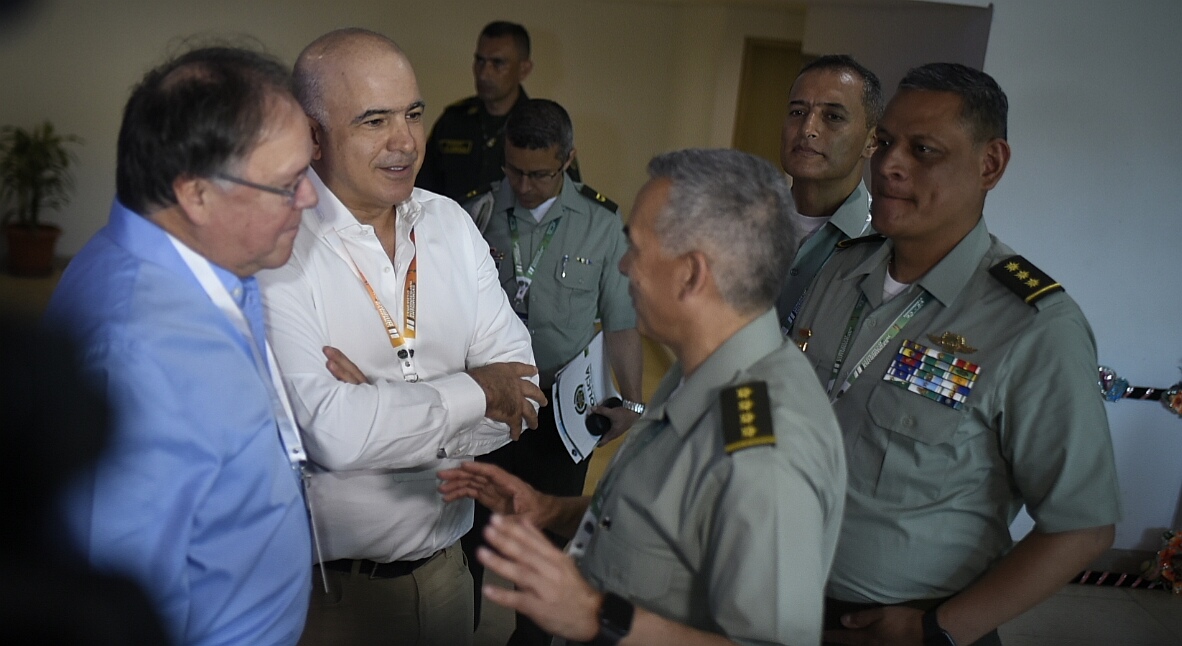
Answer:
(30, 249)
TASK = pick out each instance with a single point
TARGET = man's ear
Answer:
(193, 196)
(995, 156)
(569, 158)
(317, 136)
(871, 143)
(697, 275)
(527, 66)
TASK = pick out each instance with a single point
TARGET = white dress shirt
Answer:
(378, 446)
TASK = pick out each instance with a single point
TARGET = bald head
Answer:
(326, 56)
(360, 92)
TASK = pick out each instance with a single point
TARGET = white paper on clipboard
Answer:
(578, 387)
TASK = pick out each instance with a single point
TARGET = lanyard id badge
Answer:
(524, 276)
(268, 368)
(402, 342)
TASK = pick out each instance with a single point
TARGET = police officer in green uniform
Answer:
(557, 244)
(965, 382)
(717, 520)
(466, 147)
(828, 135)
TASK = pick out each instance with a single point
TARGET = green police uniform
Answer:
(575, 282)
(728, 529)
(577, 279)
(850, 220)
(466, 150)
(985, 400)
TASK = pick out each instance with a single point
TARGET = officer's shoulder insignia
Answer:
(598, 198)
(1030, 283)
(850, 242)
(746, 416)
(481, 190)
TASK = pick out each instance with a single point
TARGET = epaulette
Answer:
(746, 416)
(849, 242)
(477, 192)
(1024, 279)
(596, 196)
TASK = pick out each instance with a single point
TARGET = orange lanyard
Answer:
(401, 342)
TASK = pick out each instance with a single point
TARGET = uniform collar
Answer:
(564, 203)
(723, 367)
(853, 216)
(945, 281)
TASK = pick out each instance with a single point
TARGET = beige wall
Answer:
(638, 77)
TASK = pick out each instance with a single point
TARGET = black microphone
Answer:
(598, 424)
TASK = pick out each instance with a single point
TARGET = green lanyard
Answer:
(885, 338)
(525, 277)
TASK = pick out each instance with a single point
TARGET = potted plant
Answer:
(34, 176)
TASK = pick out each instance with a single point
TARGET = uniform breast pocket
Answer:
(578, 290)
(645, 573)
(907, 453)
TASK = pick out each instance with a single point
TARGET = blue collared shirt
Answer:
(194, 498)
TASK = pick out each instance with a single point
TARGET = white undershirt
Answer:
(542, 209)
(804, 226)
(892, 288)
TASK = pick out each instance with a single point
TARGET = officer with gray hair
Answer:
(717, 521)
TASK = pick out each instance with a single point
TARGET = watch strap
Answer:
(615, 620)
(933, 634)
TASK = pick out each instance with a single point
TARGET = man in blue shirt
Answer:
(199, 497)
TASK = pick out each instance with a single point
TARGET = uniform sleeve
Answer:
(136, 515)
(768, 560)
(615, 305)
(1055, 429)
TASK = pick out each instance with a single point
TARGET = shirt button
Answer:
(387, 270)
(871, 321)
(908, 421)
(794, 272)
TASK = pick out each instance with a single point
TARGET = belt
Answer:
(375, 570)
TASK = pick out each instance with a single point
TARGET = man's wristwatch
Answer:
(635, 407)
(933, 634)
(615, 620)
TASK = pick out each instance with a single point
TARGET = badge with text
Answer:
(939, 376)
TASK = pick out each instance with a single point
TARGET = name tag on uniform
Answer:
(939, 376)
(455, 146)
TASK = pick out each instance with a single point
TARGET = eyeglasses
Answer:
(289, 194)
(516, 174)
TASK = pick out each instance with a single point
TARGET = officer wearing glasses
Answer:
(557, 244)
(466, 147)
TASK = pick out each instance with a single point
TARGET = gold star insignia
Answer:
(1012, 266)
(1023, 275)
(1033, 282)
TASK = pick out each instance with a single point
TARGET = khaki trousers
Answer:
(431, 606)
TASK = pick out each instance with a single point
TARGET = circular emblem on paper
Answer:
(580, 400)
